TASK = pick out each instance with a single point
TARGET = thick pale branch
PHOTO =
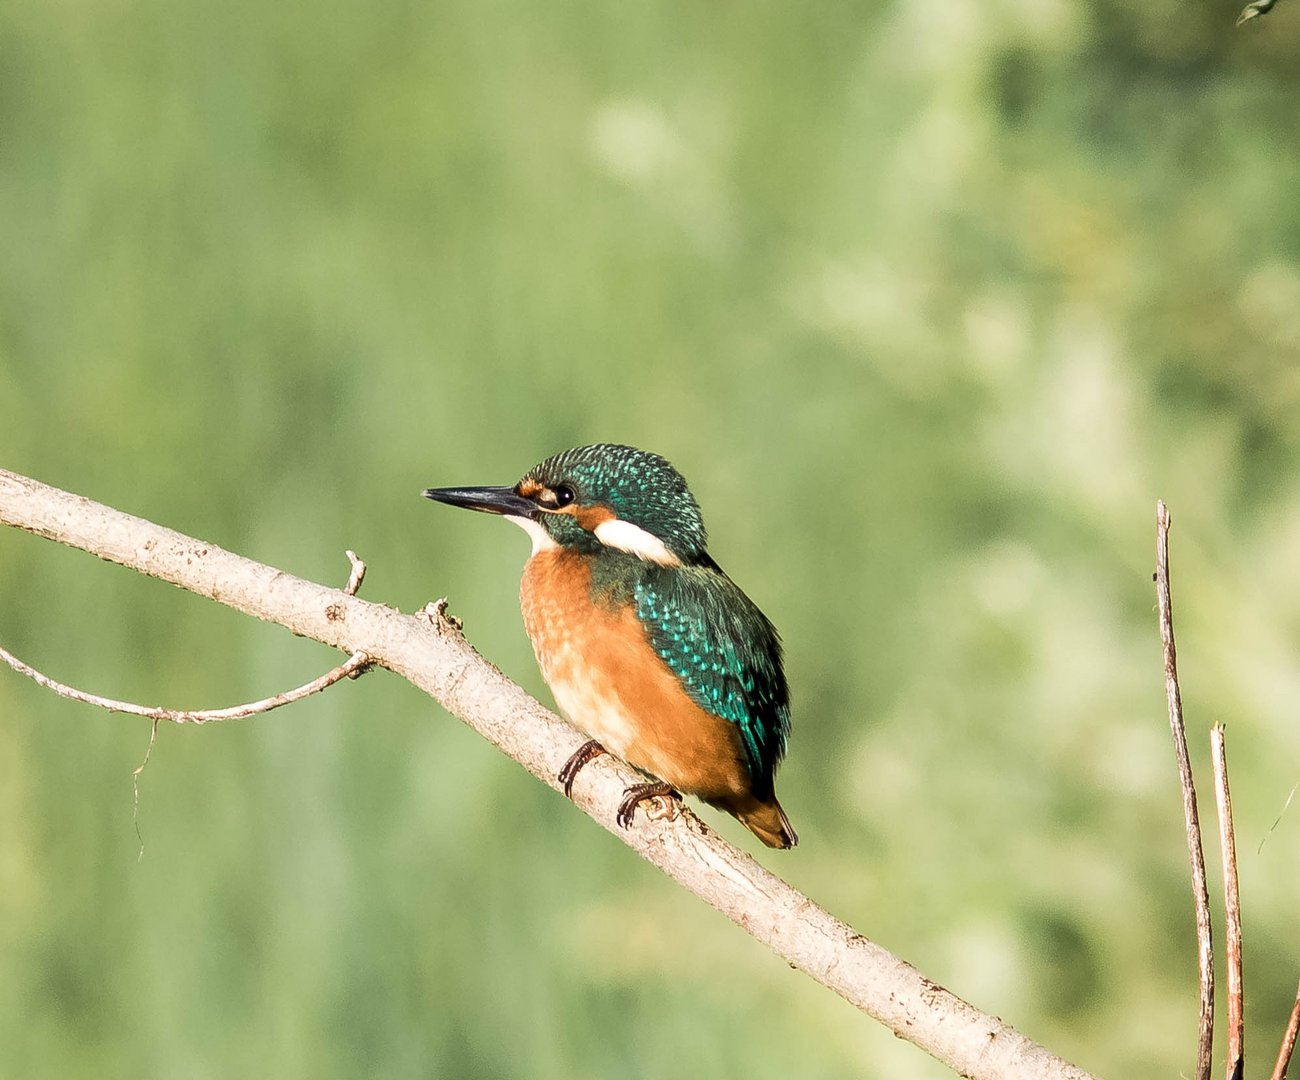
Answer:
(429, 651)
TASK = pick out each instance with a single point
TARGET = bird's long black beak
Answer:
(491, 500)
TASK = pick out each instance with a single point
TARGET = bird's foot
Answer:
(588, 750)
(670, 802)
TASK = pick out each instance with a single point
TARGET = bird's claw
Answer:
(588, 750)
(639, 793)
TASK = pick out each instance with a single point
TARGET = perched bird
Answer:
(646, 644)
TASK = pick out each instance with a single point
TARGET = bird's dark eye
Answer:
(563, 495)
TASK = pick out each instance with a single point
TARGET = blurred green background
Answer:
(930, 302)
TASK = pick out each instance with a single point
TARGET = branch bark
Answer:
(429, 651)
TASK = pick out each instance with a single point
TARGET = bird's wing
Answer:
(726, 653)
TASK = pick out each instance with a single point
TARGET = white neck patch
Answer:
(623, 535)
(542, 540)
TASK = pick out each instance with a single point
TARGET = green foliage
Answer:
(928, 302)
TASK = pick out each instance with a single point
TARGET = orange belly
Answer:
(608, 681)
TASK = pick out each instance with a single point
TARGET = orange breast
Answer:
(608, 681)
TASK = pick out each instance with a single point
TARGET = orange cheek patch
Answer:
(528, 488)
(591, 516)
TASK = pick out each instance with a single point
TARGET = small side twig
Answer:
(1288, 1041)
(1195, 852)
(1231, 906)
(354, 665)
(358, 574)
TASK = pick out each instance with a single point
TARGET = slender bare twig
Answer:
(1195, 853)
(429, 651)
(351, 668)
(354, 664)
(1231, 906)
(1288, 1041)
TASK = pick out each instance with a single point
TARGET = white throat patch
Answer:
(540, 537)
(623, 535)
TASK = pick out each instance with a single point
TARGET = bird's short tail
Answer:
(768, 822)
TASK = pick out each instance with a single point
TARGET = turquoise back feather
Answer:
(726, 653)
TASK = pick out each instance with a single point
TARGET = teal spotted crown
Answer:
(638, 486)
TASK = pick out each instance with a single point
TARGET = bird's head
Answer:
(594, 497)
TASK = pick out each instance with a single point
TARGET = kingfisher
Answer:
(647, 646)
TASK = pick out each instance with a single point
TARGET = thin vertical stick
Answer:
(1231, 904)
(1288, 1041)
(1200, 893)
